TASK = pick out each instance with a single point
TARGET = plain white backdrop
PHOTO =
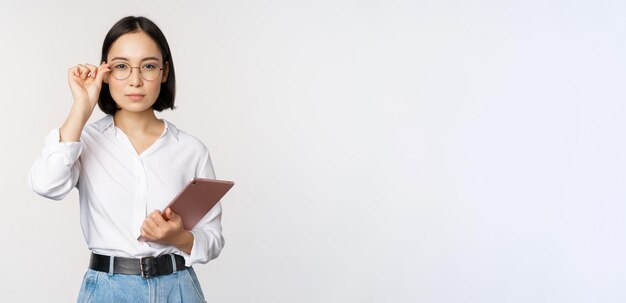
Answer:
(383, 151)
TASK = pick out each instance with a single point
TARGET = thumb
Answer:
(170, 214)
(103, 69)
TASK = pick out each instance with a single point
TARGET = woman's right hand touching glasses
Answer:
(86, 81)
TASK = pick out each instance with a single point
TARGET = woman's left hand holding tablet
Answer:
(156, 228)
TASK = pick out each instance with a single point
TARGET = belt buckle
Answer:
(147, 270)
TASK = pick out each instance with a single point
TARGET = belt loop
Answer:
(111, 264)
(173, 263)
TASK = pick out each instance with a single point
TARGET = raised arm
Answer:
(56, 170)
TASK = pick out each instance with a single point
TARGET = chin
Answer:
(135, 109)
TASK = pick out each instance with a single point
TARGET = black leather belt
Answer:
(146, 267)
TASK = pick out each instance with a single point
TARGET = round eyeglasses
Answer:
(148, 71)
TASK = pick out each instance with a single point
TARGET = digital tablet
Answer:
(197, 199)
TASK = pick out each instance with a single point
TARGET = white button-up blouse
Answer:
(118, 188)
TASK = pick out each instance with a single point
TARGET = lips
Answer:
(135, 96)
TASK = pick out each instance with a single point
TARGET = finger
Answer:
(172, 215)
(83, 70)
(150, 218)
(76, 70)
(157, 218)
(103, 69)
(146, 232)
(92, 70)
(149, 223)
(73, 71)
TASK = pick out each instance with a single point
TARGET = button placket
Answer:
(140, 205)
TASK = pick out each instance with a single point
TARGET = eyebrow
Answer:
(144, 59)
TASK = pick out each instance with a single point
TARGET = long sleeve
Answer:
(208, 240)
(56, 170)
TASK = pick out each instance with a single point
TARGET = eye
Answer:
(149, 66)
(120, 66)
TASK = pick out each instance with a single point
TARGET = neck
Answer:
(136, 122)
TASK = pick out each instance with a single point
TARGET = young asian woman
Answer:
(127, 166)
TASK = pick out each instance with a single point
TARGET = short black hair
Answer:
(132, 24)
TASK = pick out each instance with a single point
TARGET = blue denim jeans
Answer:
(180, 286)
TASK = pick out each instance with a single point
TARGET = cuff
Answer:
(198, 251)
(70, 150)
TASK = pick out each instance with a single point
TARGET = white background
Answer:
(383, 151)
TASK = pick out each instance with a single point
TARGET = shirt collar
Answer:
(107, 122)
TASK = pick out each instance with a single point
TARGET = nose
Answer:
(135, 77)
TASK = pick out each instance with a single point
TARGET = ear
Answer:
(166, 71)
(105, 79)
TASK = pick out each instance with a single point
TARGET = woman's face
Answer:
(137, 50)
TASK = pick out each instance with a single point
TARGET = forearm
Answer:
(75, 122)
(184, 241)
